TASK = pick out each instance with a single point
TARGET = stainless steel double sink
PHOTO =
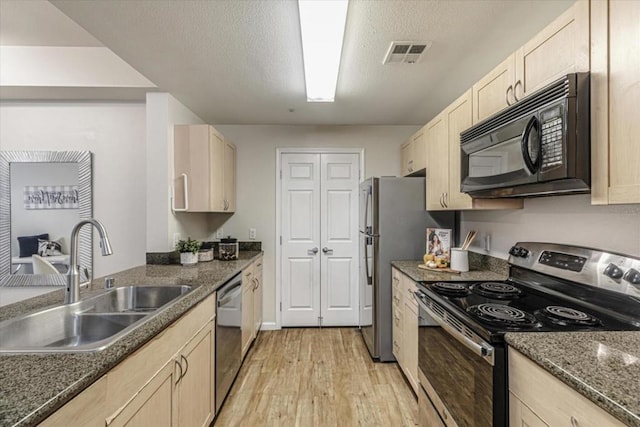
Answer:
(88, 325)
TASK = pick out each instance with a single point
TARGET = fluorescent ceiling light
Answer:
(322, 24)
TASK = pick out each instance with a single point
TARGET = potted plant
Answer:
(188, 251)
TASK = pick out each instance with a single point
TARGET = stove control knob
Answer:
(632, 276)
(613, 271)
(514, 250)
(523, 253)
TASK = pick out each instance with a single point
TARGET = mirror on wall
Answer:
(43, 194)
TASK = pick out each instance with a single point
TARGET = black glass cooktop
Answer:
(500, 307)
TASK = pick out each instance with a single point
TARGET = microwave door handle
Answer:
(524, 145)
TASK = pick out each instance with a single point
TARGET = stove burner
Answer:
(566, 316)
(496, 290)
(451, 289)
(503, 315)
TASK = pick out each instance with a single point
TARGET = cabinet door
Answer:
(437, 163)
(494, 91)
(521, 416)
(196, 405)
(459, 116)
(229, 177)
(615, 102)
(216, 160)
(396, 307)
(257, 297)
(191, 157)
(419, 150)
(406, 156)
(247, 309)
(410, 331)
(154, 404)
(559, 49)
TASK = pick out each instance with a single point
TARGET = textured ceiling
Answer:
(240, 62)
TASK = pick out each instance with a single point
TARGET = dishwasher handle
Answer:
(230, 294)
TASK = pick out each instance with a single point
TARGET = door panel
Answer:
(300, 238)
(320, 239)
(339, 239)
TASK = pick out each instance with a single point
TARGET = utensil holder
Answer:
(459, 259)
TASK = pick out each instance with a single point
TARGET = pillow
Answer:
(29, 244)
(49, 248)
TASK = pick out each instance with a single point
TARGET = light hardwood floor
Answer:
(317, 377)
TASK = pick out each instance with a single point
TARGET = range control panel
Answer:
(561, 260)
(587, 266)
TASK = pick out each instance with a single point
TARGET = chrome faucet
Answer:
(73, 278)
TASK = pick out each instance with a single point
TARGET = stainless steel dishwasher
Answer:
(228, 336)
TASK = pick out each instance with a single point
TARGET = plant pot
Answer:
(188, 258)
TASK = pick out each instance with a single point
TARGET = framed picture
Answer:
(439, 242)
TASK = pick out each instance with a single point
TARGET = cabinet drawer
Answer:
(551, 400)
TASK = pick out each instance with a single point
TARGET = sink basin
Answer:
(135, 299)
(88, 325)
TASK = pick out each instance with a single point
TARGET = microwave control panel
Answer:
(552, 131)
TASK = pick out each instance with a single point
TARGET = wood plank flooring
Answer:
(317, 377)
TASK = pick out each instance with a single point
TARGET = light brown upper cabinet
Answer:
(615, 102)
(413, 154)
(443, 161)
(204, 170)
(559, 49)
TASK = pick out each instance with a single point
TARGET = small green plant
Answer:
(188, 245)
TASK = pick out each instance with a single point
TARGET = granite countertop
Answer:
(482, 268)
(32, 386)
(602, 366)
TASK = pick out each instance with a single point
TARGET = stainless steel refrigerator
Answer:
(393, 223)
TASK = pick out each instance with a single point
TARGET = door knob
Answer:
(326, 250)
(314, 250)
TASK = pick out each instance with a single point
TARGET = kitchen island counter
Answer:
(602, 366)
(33, 386)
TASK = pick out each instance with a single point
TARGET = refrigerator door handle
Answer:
(368, 229)
(366, 260)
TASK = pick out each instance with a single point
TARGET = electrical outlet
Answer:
(252, 233)
(219, 233)
(176, 237)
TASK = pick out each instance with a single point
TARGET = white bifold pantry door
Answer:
(319, 214)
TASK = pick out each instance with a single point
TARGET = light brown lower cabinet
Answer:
(405, 326)
(168, 381)
(537, 398)
(251, 303)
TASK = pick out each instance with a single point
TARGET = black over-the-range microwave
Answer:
(538, 146)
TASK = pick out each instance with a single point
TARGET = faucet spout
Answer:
(73, 278)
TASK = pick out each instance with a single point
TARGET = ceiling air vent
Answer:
(406, 52)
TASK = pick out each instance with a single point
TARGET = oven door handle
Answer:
(483, 350)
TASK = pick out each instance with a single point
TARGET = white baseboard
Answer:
(269, 326)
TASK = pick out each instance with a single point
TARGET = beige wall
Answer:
(560, 219)
(256, 175)
(115, 133)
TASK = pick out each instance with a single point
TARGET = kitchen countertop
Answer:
(33, 386)
(602, 366)
(482, 268)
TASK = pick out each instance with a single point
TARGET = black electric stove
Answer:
(551, 288)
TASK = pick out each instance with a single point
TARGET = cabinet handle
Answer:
(446, 196)
(186, 362)
(507, 94)
(179, 376)
(185, 186)
(442, 199)
(515, 90)
(574, 422)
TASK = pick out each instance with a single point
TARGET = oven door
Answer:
(506, 157)
(465, 375)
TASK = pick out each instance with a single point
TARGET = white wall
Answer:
(115, 133)
(559, 219)
(163, 112)
(256, 176)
